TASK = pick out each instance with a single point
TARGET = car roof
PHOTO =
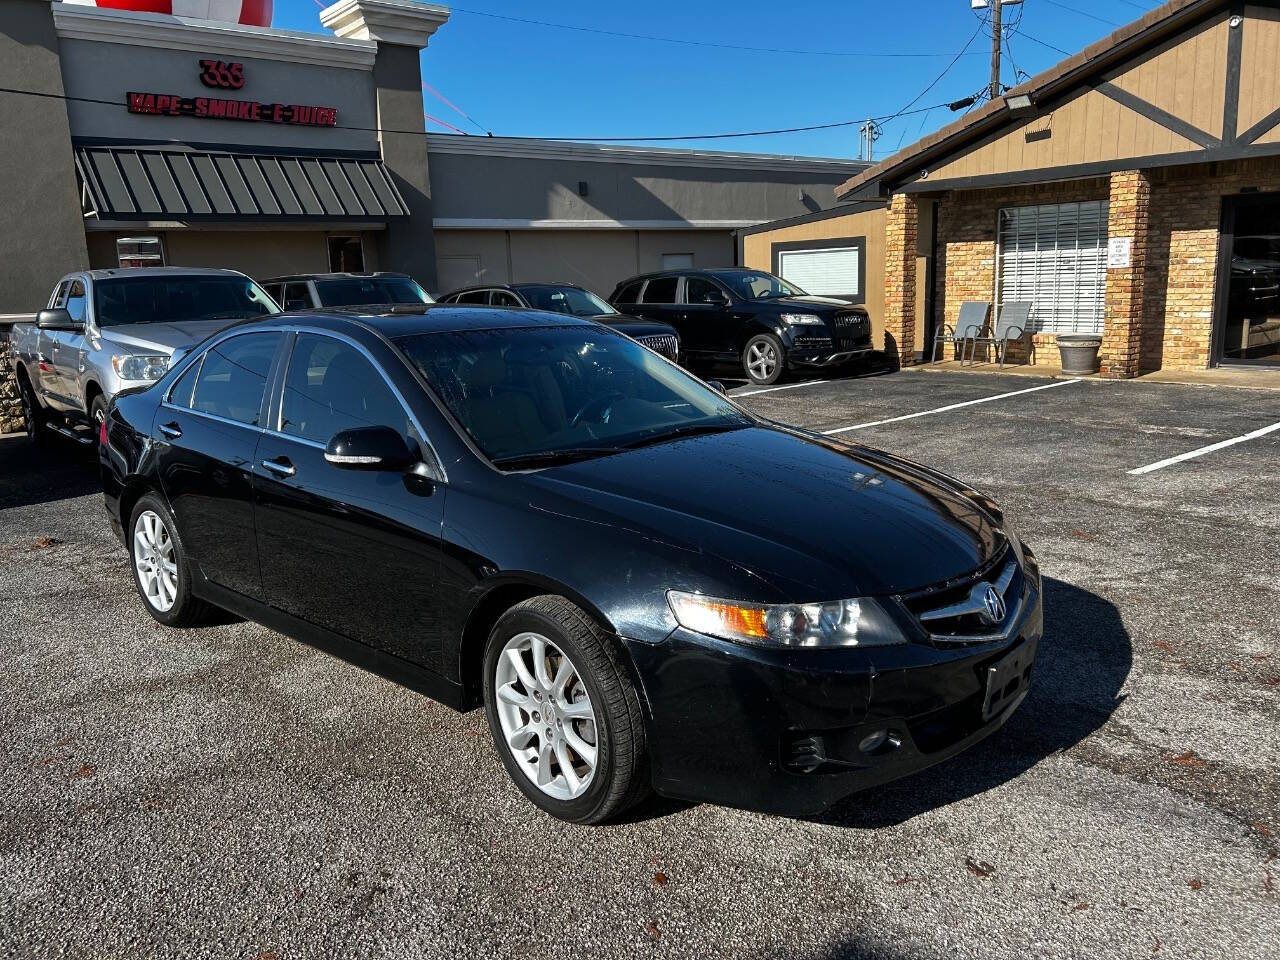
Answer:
(687, 272)
(297, 277)
(515, 286)
(406, 320)
(163, 272)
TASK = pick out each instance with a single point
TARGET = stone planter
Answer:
(1079, 352)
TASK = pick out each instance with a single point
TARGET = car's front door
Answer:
(71, 346)
(206, 435)
(354, 551)
(51, 385)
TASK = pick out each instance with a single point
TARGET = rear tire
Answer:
(578, 709)
(160, 568)
(33, 414)
(764, 360)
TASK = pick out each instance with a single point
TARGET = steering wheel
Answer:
(602, 404)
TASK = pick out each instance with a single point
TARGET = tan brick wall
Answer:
(900, 249)
(967, 225)
(1126, 286)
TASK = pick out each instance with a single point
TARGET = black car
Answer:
(575, 301)
(644, 585)
(314, 291)
(749, 318)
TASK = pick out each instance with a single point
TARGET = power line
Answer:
(456, 109)
(690, 43)
(1083, 13)
(1044, 43)
(938, 79)
(656, 139)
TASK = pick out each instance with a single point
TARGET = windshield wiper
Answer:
(691, 430)
(546, 457)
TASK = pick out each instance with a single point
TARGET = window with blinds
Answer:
(1055, 257)
(830, 272)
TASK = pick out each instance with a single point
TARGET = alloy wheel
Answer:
(546, 715)
(762, 359)
(153, 558)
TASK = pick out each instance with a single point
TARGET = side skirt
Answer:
(385, 665)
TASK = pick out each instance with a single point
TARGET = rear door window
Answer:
(331, 386)
(233, 377)
(661, 290)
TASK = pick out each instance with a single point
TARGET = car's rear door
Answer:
(706, 323)
(354, 551)
(206, 436)
(658, 301)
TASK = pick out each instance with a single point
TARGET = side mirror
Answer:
(370, 448)
(717, 386)
(57, 319)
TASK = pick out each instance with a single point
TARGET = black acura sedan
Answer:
(646, 586)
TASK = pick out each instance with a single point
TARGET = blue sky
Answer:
(522, 79)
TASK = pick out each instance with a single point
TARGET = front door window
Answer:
(1250, 326)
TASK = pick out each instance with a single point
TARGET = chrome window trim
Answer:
(212, 416)
(277, 429)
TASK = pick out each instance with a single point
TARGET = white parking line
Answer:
(952, 406)
(1200, 452)
(789, 386)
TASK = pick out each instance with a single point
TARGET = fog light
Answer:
(873, 740)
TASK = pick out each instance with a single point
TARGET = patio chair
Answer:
(971, 322)
(1013, 324)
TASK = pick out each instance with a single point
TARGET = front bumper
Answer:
(783, 731)
(825, 358)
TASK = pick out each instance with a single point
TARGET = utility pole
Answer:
(996, 38)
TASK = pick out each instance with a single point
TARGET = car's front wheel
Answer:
(764, 359)
(160, 568)
(564, 715)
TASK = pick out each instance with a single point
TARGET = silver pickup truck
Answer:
(103, 331)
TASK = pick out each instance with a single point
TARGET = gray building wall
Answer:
(43, 235)
(95, 70)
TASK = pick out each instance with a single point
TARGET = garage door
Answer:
(828, 272)
(1055, 257)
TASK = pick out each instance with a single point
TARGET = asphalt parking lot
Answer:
(229, 792)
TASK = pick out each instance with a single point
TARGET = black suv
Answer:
(749, 317)
(312, 291)
(576, 301)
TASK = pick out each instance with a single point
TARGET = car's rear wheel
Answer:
(564, 715)
(764, 359)
(160, 568)
(33, 414)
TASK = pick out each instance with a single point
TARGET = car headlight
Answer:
(802, 319)
(840, 623)
(129, 367)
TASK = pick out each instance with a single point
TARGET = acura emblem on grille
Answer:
(993, 610)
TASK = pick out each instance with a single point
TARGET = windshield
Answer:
(571, 300)
(750, 285)
(532, 396)
(354, 291)
(174, 299)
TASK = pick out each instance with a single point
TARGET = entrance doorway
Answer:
(1248, 315)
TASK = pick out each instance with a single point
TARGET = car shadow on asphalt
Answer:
(1081, 666)
(45, 473)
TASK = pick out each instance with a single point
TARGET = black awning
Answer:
(151, 183)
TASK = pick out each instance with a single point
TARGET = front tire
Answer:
(764, 360)
(160, 568)
(564, 715)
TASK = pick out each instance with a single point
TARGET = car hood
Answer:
(635, 326)
(818, 304)
(808, 515)
(163, 337)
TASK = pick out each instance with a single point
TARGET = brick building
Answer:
(1131, 191)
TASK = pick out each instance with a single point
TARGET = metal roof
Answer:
(127, 182)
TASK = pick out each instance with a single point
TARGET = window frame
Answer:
(859, 243)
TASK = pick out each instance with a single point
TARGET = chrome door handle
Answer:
(171, 430)
(280, 468)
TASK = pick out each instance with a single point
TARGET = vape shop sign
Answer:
(220, 75)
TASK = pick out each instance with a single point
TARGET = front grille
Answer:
(664, 344)
(852, 324)
(849, 344)
(958, 612)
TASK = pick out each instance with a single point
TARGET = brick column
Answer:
(900, 253)
(1122, 332)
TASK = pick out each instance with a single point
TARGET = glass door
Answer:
(1248, 327)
